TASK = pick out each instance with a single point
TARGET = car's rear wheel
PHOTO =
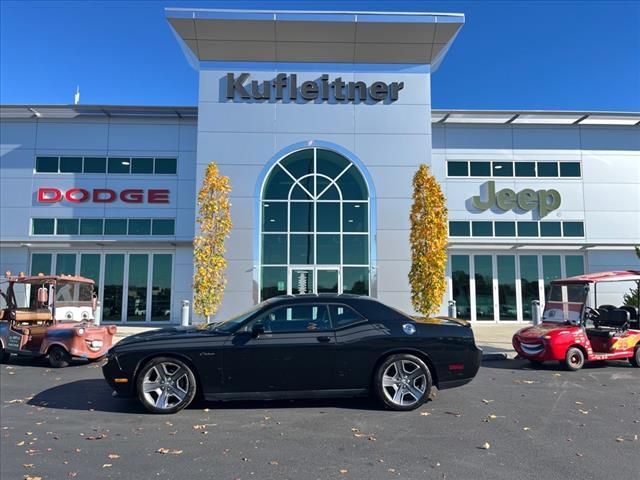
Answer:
(166, 385)
(574, 359)
(635, 360)
(59, 357)
(403, 382)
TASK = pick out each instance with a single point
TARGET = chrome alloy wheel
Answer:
(165, 385)
(404, 383)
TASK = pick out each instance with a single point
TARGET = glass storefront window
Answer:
(66, 264)
(355, 280)
(505, 229)
(43, 226)
(527, 229)
(547, 169)
(573, 229)
(301, 250)
(352, 185)
(70, 164)
(460, 285)
(528, 283)
(574, 265)
(47, 164)
(139, 226)
(550, 229)
(163, 226)
(274, 282)
(525, 169)
(482, 229)
(274, 249)
(569, 169)
(301, 217)
(551, 270)
(274, 217)
(328, 217)
(95, 165)
(41, 263)
(142, 165)
(165, 166)
(480, 169)
(161, 288)
(458, 169)
(328, 249)
(278, 185)
(91, 226)
(90, 268)
(115, 226)
(67, 226)
(503, 169)
(484, 287)
(355, 250)
(119, 165)
(507, 287)
(459, 229)
(137, 288)
(113, 287)
(355, 217)
(330, 163)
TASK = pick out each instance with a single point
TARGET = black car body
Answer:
(302, 346)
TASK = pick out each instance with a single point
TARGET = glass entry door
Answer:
(307, 279)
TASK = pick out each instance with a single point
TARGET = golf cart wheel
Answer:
(574, 359)
(635, 360)
(59, 357)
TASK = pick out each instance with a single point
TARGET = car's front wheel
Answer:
(166, 385)
(635, 360)
(403, 382)
(574, 359)
(59, 357)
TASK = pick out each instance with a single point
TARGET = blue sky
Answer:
(555, 55)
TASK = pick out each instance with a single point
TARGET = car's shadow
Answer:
(95, 395)
(522, 364)
(41, 362)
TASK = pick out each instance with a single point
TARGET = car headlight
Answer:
(69, 316)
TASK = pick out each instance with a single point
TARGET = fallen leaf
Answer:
(206, 409)
(19, 444)
(455, 414)
(557, 375)
(343, 471)
(97, 437)
(488, 418)
(584, 412)
(372, 438)
(485, 446)
(578, 454)
(113, 456)
(487, 402)
(579, 403)
(529, 382)
(424, 414)
(165, 451)
(273, 462)
(353, 429)
(526, 428)
(28, 465)
(107, 465)
(29, 477)
(619, 439)
(359, 435)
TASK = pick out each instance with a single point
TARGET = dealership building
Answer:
(320, 121)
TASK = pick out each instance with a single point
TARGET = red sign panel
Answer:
(102, 195)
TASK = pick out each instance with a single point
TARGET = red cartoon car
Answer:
(573, 331)
(51, 315)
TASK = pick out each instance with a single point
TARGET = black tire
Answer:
(635, 360)
(174, 379)
(4, 355)
(59, 357)
(401, 376)
(574, 359)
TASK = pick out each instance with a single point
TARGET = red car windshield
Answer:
(565, 303)
(70, 294)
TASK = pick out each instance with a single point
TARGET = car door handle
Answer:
(324, 339)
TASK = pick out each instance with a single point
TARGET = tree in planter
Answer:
(633, 297)
(428, 243)
(214, 218)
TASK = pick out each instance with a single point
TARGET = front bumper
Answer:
(120, 381)
(538, 349)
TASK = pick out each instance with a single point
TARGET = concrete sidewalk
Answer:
(495, 340)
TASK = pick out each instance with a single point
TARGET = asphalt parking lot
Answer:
(510, 422)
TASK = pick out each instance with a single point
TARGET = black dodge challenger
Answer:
(297, 347)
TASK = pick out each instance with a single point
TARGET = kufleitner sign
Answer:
(285, 87)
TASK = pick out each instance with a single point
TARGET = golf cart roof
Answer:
(615, 276)
(47, 278)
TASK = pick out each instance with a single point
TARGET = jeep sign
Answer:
(506, 199)
(321, 89)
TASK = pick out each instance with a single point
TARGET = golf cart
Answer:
(573, 331)
(51, 315)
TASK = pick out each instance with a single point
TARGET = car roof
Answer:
(322, 297)
(613, 276)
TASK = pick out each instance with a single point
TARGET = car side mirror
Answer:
(94, 303)
(43, 295)
(257, 330)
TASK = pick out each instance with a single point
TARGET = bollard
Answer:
(97, 314)
(535, 312)
(184, 317)
(453, 310)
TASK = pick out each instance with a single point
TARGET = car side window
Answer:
(341, 315)
(296, 318)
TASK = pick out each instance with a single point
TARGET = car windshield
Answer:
(69, 294)
(228, 326)
(565, 303)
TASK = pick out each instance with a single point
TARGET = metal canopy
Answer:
(315, 37)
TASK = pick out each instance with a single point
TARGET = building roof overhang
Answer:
(412, 38)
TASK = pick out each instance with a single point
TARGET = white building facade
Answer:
(320, 122)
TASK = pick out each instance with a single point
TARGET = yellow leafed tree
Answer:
(428, 243)
(214, 218)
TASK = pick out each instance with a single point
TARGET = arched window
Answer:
(314, 226)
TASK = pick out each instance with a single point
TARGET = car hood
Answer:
(165, 333)
(537, 331)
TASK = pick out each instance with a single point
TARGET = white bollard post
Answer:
(535, 312)
(97, 314)
(184, 317)
(453, 310)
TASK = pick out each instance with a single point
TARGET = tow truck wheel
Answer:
(635, 360)
(59, 357)
(574, 359)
